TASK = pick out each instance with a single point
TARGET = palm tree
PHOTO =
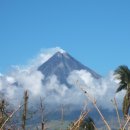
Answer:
(123, 74)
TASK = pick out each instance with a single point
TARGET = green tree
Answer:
(87, 124)
(123, 74)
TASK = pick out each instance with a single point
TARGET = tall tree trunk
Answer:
(43, 126)
(24, 118)
(126, 104)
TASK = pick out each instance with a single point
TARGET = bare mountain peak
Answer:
(61, 51)
(62, 64)
(61, 55)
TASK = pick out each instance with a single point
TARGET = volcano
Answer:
(61, 64)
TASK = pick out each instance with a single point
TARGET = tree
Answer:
(123, 74)
(87, 124)
(42, 110)
(3, 112)
(24, 116)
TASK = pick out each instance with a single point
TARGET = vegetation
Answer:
(83, 122)
(87, 124)
(3, 114)
(123, 74)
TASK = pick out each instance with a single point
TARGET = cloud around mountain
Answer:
(30, 78)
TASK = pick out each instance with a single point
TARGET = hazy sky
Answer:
(96, 32)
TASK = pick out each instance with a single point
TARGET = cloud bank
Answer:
(29, 78)
(103, 90)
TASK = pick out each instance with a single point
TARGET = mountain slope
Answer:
(61, 64)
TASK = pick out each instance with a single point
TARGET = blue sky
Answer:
(96, 32)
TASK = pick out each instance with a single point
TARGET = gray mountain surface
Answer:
(61, 64)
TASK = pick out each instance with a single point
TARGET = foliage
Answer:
(123, 74)
(3, 114)
(87, 124)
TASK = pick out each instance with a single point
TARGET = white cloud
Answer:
(21, 78)
(10, 80)
(60, 93)
(44, 55)
(102, 90)
(1, 85)
(28, 78)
